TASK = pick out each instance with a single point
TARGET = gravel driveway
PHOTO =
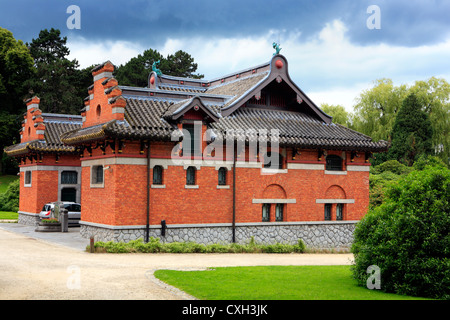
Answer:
(33, 268)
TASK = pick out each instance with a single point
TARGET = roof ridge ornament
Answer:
(277, 48)
(155, 67)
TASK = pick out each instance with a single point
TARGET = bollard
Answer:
(91, 245)
(64, 219)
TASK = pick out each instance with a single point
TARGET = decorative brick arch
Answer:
(274, 191)
(335, 192)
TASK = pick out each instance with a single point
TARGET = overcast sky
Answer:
(333, 54)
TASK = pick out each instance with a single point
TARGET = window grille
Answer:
(27, 177)
(190, 176)
(279, 212)
(266, 212)
(97, 174)
(339, 211)
(222, 176)
(157, 175)
(69, 177)
(334, 163)
(327, 211)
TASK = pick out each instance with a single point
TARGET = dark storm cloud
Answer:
(408, 23)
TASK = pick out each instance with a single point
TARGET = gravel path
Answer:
(40, 269)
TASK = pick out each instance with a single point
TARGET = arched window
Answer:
(190, 176)
(157, 175)
(98, 111)
(334, 163)
(222, 176)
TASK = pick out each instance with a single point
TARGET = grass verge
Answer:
(273, 283)
(6, 215)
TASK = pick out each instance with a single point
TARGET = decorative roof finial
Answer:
(154, 67)
(277, 48)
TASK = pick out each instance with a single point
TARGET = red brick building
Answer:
(49, 170)
(247, 154)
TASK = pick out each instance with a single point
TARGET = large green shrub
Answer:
(407, 236)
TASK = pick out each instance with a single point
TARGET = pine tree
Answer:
(57, 78)
(412, 132)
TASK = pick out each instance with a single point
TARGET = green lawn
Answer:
(5, 215)
(273, 283)
(5, 180)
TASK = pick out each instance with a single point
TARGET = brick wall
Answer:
(123, 199)
(44, 181)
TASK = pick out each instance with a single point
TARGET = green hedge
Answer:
(155, 246)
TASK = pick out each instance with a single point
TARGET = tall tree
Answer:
(56, 78)
(136, 71)
(181, 64)
(338, 112)
(375, 111)
(412, 133)
(16, 65)
(434, 97)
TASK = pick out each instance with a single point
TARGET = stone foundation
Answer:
(317, 235)
(28, 219)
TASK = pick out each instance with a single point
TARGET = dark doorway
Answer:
(69, 194)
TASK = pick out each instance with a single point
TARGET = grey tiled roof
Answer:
(55, 126)
(151, 116)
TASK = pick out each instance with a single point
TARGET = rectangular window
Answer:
(339, 211)
(279, 212)
(327, 211)
(191, 146)
(266, 212)
(97, 175)
(333, 163)
(28, 178)
(69, 177)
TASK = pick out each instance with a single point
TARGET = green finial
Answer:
(276, 47)
(155, 67)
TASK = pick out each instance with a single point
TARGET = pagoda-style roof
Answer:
(235, 102)
(54, 126)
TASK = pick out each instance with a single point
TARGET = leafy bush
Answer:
(154, 246)
(9, 201)
(408, 236)
(392, 166)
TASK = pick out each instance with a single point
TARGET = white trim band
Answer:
(274, 200)
(335, 200)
